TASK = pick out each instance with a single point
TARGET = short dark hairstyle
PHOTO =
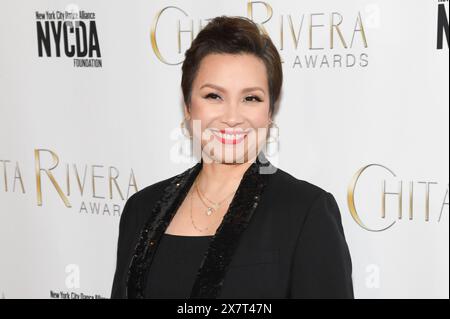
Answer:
(233, 35)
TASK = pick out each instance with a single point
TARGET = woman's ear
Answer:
(187, 113)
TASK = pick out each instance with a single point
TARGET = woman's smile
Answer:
(229, 136)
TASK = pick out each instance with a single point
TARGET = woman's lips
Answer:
(225, 137)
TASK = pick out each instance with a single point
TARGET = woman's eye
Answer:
(252, 98)
(213, 96)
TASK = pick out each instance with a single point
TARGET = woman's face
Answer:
(230, 107)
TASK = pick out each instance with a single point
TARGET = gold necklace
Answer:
(192, 219)
(214, 206)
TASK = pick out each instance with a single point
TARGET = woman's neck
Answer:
(219, 179)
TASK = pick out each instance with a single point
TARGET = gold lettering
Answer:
(311, 26)
(443, 204)
(4, 173)
(351, 197)
(281, 33)
(153, 35)
(111, 179)
(132, 182)
(269, 12)
(361, 29)
(295, 37)
(180, 31)
(93, 180)
(427, 199)
(38, 169)
(67, 180)
(383, 199)
(81, 187)
(336, 26)
(18, 175)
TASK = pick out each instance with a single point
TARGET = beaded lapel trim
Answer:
(210, 276)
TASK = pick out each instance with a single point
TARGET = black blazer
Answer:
(280, 238)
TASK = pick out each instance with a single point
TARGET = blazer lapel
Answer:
(210, 276)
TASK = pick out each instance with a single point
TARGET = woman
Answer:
(233, 225)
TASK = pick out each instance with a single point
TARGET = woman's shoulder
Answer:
(304, 200)
(139, 205)
(299, 189)
(282, 185)
(152, 191)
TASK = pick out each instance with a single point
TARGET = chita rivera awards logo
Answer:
(70, 33)
(305, 40)
(378, 199)
(93, 189)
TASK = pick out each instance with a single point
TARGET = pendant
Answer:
(209, 211)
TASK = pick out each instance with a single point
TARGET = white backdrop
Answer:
(375, 93)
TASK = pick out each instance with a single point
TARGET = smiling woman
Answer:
(233, 225)
(230, 98)
(234, 36)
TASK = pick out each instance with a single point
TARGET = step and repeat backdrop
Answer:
(90, 107)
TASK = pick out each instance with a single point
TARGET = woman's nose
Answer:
(232, 116)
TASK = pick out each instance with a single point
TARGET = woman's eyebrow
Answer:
(219, 88)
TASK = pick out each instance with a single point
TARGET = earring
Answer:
(183, 128)
(185, 144)
(272, 143)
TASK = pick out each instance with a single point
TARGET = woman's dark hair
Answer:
(233, 35)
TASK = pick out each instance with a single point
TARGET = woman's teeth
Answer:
(231, 138)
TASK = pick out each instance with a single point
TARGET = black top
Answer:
(175, 265)
(282, 238)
